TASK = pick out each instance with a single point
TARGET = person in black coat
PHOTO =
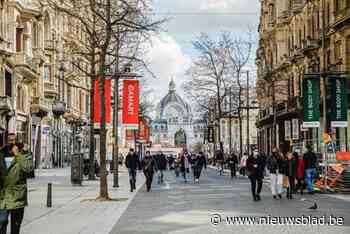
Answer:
(148, 169)
(219, 158)
(291, 171)
(255, 169)
(202, 161)
(162, 163)
(232, 162)
(132, 163)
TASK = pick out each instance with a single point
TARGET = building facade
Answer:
(175, 125)
(292, 45)
(36, 71)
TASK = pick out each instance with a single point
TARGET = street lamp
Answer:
(126, 74)
(58, 109)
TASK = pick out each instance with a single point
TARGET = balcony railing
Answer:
(40, 105)
(5, 103)
(25, 60)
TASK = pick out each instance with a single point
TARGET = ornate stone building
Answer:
(34, 43)
(175, 124)
(290, 46)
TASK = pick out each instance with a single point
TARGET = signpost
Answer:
(311, 101)
(339, 108)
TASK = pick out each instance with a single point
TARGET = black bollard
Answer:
(49, 195)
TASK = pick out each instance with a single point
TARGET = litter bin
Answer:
(77, 169)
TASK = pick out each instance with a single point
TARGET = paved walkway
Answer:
(69, 215)
(176, 207)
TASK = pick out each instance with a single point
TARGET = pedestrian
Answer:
(15, 168)
(291, 172)
(275, 166)
(232, 162)
(148, 169)
(220, 159)
(194, 162)
(310, 161)
(202, 163)
(255, 171)
(243, 164)
(178, 165)
(184, 164)
(162, 163)
(300, 174)
(132, 163)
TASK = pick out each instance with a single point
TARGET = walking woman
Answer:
(275, 166)
(148, 169)
(300, 175)
(291, 173)
(13, 193)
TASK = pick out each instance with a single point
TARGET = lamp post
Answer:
(126, 74)
(58, 109)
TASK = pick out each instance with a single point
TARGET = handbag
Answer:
(3, 216)
(285, 182)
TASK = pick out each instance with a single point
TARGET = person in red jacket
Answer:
(300, 172)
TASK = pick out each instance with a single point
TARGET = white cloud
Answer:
(166, 59)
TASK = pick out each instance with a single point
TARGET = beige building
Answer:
(34, 43)
(291, 45)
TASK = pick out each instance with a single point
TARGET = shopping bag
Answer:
(285, 182)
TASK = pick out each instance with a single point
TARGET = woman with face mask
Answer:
(13, 194)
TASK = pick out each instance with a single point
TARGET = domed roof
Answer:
(172, 97)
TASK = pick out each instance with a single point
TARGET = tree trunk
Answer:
(92, 134)
(103, 138)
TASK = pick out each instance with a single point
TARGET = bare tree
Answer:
(239, 53)
(105, 23)
(208, 78)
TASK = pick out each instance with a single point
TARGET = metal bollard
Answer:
(49, 195)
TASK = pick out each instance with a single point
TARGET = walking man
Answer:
(162, 163)
(232, 162)
(310, 162)
(255, 171)
(132, 163)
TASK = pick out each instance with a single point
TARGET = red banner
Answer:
(131, 103)
(97, 102)
(142, 130)
(129, 135)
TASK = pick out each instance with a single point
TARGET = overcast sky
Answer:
(171, 52)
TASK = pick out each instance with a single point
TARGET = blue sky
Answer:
(171, 52)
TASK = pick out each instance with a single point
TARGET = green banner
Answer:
(311, 101)
(339, 107)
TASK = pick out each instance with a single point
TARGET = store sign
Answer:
(295, 129)
(311, 101)
(339, 102)
(97, 102)
(287, 130)
(131, 104)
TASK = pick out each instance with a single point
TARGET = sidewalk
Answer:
(69, 215)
